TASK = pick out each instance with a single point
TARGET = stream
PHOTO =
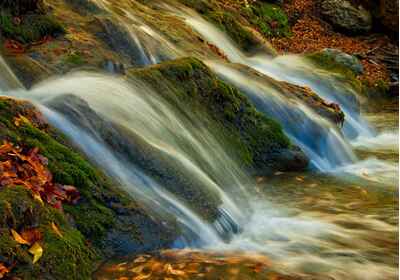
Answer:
(337, 220)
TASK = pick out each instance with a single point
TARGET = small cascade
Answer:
(297, 71)
(124, 127)
(317, 137)
(145, 45)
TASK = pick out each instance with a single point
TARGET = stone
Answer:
(344, 59)
(346, 17)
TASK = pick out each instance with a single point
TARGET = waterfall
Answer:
(318, 138)
(114, 122)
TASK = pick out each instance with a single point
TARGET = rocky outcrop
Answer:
(345, 16)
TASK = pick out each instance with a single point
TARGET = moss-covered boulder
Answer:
(257, 141)
(105, 217)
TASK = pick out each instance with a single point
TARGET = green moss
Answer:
(328, 63)
(69, 168)
(32, 27)
(189, 83)
(270, 19)
(66, 257)
(379, 89)
(75, 59)
(92, 217)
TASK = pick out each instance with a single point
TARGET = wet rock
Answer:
(323, 108)
(347, 60)
(104, 214)
(259, 141)
(343, 15)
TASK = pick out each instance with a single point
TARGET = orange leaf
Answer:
(18, 237)
(3, 270)
(56, 230)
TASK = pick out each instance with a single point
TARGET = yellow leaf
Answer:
(37, 251)
(20, 119)
(18, 237)
(38, 198)
(56, 230)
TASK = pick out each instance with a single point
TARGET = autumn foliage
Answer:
(29, 169)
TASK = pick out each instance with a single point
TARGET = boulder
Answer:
(344, 59)
(345, 16)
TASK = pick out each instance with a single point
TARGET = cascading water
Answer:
(335, 153)
(330, 150)
(326, 237)
(317, 137)
(138, 112)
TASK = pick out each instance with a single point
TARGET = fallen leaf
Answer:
(3, 270)
(18, 237)
(37, 251)
(38, 198)
(56, 230)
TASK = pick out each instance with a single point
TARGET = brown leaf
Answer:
(31, 235)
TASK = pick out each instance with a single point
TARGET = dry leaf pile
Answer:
(310, 34)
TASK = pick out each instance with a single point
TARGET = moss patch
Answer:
(65, 257)
(30, 28)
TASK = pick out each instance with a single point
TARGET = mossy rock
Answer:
(247, 134)
(379, 89)
(104, 213)
(64, 257)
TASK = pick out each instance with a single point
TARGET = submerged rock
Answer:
(343, 15)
